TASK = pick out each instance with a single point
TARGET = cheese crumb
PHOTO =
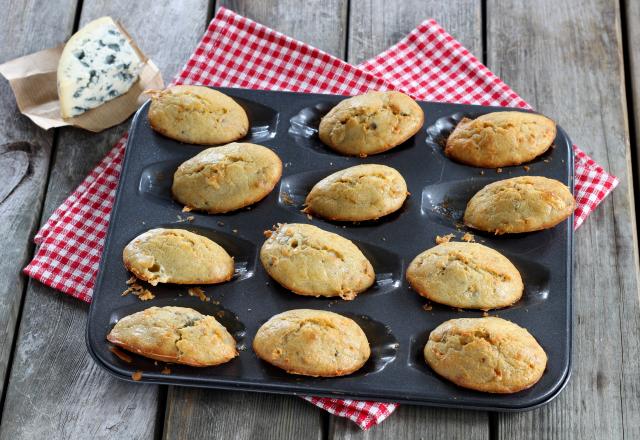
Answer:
(444, 238)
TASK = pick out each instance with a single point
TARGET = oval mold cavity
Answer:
(441, 129)
(445, 203)
(295, 188)
(383, 344)
(242, 251)
(224, 316)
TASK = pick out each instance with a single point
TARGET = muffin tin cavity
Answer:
(384, 350)
(242, 251)
(263, 121)
(213, 308)
(294, 189)
(303, 128)
(388, 266)
(439, 131)
(445, 203)
(392, 315)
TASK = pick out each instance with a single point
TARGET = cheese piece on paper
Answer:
(98, 64)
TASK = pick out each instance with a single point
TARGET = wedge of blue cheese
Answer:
(98, 64)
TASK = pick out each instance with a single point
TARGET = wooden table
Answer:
(577, 61)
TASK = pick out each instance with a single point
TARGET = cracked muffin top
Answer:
(362, 192)
(177, 256)
(175, 334)
(371, 123)
(500, 139)
(486, 354)
(197, 115)
(519, 204)
(312, 343)
(312, 262)
(466, 275)
(226, 178)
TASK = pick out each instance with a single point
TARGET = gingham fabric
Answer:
(428, 64)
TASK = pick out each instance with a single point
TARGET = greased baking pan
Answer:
(391, 314)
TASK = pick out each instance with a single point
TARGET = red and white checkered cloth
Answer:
(236, 52)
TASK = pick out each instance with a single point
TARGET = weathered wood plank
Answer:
(565, 59)
(55, 389)
(25, 27)
(374, 26)
(237, 415)
(242, 415)
(321, 23)
(632, 15)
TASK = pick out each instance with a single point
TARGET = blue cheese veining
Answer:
(97, 65)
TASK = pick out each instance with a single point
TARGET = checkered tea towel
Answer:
(428, 64)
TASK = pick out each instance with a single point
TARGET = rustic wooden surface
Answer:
(30, 27)
(565, 58)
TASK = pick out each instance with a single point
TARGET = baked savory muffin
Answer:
(312, 343)
(520, 204)
(371, 123)
(486, 354)
(362, 192)
(466, 275)
(175, 334)
(197, 115)
(312, 262)
(500, 139)
(177, 256)
(226, 178)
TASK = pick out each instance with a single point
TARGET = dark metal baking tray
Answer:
(391, 314)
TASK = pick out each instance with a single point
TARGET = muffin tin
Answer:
(396, 319)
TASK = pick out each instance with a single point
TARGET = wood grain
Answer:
(321, 23)
(27, 26)
(55, 389)
(565, 59)
(211, 414)
(374, 26)
(631, 10)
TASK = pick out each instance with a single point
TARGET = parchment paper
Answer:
(34, 84)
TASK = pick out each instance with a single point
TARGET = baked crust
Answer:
(175, 334)
(358, 193)
(227, 178)
(312, 343)
(500, 139)
(312, 262)
(466, 275)
(519, 204)
(371, 123)
(177, 256)
(486, 354)
(197, 115)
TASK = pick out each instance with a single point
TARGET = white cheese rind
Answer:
(97, 65)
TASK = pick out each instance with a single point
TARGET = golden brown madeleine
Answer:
(177, 256)
(500, 139)
(486, 354)
(371, 123)
(312, 262)
(175, 334)
(226, 178)
(312, 343)
(520, 204)
(197, 115)
(466, 275)
(362, 192)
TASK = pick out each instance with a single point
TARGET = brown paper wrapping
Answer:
(33, 79)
